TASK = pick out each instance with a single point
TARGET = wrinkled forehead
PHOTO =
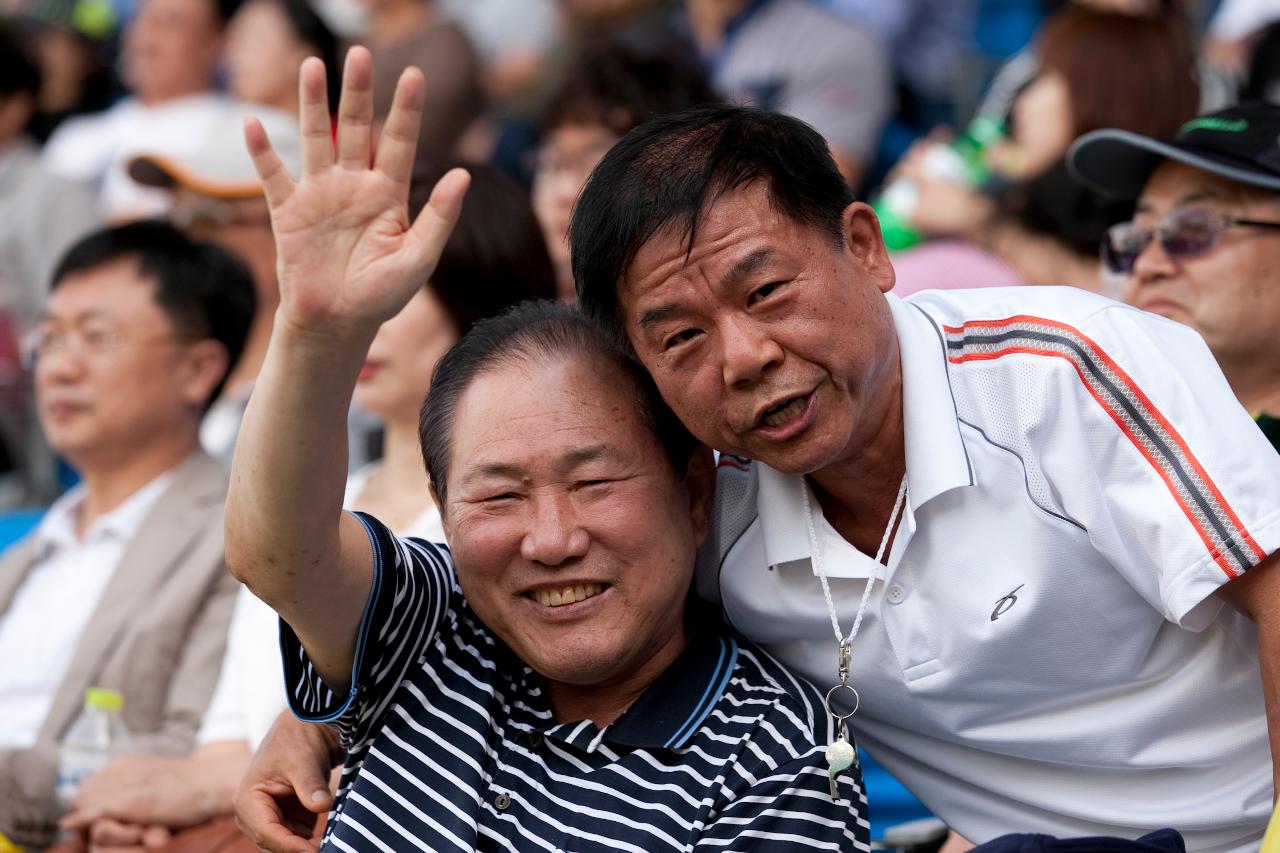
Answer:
(1173, 184)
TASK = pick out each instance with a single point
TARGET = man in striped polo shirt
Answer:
(1075, 628)
(555, 692)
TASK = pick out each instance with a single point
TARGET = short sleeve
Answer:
(1170, 476)
(250, 692)
(413, 593)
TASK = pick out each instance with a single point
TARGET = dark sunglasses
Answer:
(1182, 234)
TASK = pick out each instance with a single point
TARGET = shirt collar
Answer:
(936, 458)
(667, 714)
(57, 529)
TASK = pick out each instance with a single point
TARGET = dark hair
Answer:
(225, 10)
(18, 73)
(496, 256)
(205, 291)
(1133, 72)
(671, 169)
(539, 331)
(618, 83)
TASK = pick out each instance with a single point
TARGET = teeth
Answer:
(780, 416)
(566, 595)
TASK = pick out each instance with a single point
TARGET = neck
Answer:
(708, 19)
(254, 353)
(108, 484)
(396, 20)
(857, 493)
(602, 704)
(155, 99)
(402, 457)
(1256, 385)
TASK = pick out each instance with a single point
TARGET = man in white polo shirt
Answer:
(1063, 491)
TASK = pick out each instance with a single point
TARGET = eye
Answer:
(764, 292)
(680, 337)
(503, 497)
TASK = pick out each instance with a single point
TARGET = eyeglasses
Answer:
(1182, 234)
(91, 341)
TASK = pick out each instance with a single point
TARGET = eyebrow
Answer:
(743, 269)
(571, 460)
(91, 314)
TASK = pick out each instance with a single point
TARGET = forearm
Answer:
(287, 538)
(1038, 257)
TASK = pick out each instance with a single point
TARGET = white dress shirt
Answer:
(41, 630)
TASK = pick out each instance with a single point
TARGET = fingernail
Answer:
(320, 796)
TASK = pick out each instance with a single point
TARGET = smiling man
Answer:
(1032, 527)
(1204, 245)
(543, 684)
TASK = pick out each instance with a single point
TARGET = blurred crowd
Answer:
(123, 171)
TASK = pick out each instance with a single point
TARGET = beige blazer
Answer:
(157, 636)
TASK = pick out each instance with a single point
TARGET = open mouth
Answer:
(783, 412)
(571, 594)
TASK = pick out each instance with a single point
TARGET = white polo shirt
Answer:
(1046, 654)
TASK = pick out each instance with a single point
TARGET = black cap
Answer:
(1240, 143)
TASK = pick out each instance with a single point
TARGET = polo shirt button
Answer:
(895, 594)
(503, 802)
(535, 740)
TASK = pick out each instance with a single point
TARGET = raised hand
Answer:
(348, 256)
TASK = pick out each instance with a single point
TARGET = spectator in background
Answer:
(511, 37)
(266, 42)
(402, 33)
(40, 215)
(794, 57)
(123, 584)
(1204, 244)
(72, 42)
(1096, 69)
(612, 86)
(217, 198)
(494, 260)
(170, 52)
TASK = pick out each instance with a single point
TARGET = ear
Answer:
(864, 244)
(700, 480)
(205, 364)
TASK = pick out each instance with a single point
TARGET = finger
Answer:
(314, 123)
(277, 183)
(259, 818)
(431, 230)
(154, 837)
(355, 110)
(398, 143)
(107, 831)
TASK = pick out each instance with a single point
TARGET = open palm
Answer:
(347, 254)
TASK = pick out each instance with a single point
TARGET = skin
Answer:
(262, 56)
(171, 49)
(1228, 294)
(763, 310)
(554, 481)
(391, 385)
(725, 338)
(565, 160)
(125, 415)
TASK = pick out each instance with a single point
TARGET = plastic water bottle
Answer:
(97, 736)
(961, 161)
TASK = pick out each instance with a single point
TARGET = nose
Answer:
(554, 535)
(747, 351)
(1151, 265)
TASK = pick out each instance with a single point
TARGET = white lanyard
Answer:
(840, 754)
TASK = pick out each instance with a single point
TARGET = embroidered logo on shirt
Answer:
(1004, 605)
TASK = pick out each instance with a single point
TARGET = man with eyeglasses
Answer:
(123, 584)
(1204, 244)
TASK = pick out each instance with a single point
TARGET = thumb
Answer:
(317, 800)
(431, 230)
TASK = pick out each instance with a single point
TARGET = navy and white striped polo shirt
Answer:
(452, 745)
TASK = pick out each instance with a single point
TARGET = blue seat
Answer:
(16, 524)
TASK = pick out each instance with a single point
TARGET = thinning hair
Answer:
(668, 172)
(539, 332)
